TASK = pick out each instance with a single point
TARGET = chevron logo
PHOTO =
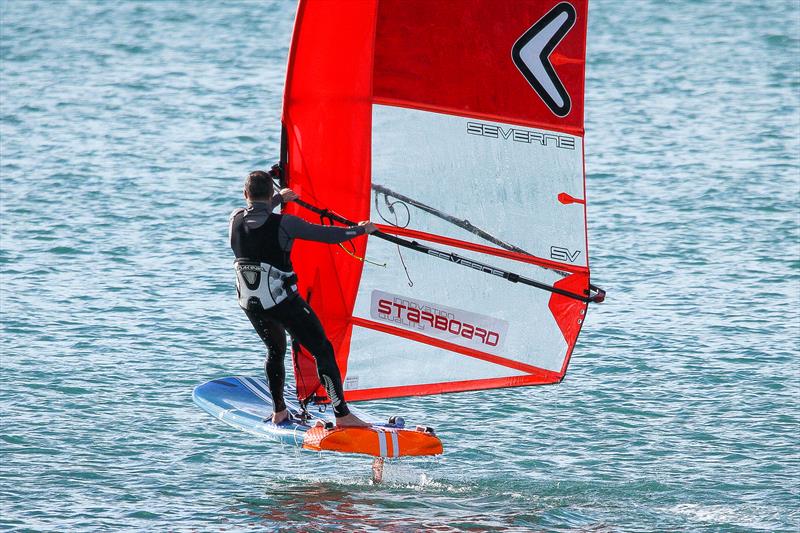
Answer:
(531, 55)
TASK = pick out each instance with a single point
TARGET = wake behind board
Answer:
(246, 404)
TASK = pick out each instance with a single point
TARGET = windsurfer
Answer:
(262, 242)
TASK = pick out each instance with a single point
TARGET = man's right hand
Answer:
(369, 227)
(288, 195)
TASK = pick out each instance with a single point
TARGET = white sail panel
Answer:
(503, 178)
(506, 186)
(533, 336)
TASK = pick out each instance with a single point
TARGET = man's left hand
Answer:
(288, 195)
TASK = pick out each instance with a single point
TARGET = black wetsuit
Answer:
(257, 234)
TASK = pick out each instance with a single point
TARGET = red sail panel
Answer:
(326, 115)
(454, 56)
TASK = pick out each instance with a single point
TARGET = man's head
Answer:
(258, 186)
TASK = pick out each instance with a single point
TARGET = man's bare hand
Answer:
(288, 195)
(369, 227)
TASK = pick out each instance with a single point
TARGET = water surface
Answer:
(125, 131)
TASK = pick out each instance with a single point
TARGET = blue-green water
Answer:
(126, 130)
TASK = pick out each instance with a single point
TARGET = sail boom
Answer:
(455, 258)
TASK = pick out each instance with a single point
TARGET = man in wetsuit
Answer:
(266, 286)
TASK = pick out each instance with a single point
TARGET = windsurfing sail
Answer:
(458, 127)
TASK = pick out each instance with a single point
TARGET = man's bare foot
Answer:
(350, 420)
(280, 416)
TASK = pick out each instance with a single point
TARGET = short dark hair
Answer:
(258, 185)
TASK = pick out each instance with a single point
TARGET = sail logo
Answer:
(531, 55)
(563, 254)
(521, 135)
(457, 326)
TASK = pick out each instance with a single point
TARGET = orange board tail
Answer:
(375, 441)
